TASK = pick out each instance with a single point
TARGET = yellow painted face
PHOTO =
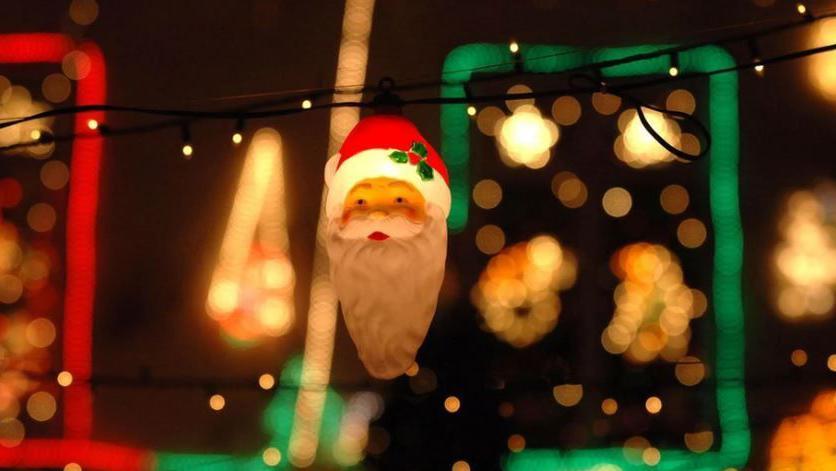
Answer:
(379, 198)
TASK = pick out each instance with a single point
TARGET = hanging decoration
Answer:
(387, 206)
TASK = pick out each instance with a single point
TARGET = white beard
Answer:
(388, 289)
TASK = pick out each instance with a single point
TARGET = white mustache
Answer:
(398, 227)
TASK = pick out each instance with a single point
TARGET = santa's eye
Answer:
(360, 202)
(400, 200)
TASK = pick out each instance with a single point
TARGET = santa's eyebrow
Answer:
(400, 184)
(362, 185)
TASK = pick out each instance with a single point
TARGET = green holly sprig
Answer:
(420, 150)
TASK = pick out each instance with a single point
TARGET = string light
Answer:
(187, 148)
(471, 110)
(217, 402)
(801, 8)
(673, 71)
(64, 378)
(306, 104)
(514, 47)
(92, 124)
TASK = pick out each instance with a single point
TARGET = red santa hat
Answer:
(386, 146)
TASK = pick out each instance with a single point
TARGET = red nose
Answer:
(377, 235)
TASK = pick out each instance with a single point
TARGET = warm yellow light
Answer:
(460, 465)
(653, 404)
(64, 378)
(266, 381)
(187, 150)
(452, 404)
(569, 189)
(471, 111)
(699, 442)
(92, 124)
(617, 202)
(637, 147)
(691, 233)
(487, 194)
(673, 71)
(306, 104)
(609, 406)
(217, 402)
(490, 239)
(412, 370)
(514, 47)
(35, 134)
(516, 443)
(322, 311)
(651, 456)
(831, 362)
(568, 395)
(72, 467)
(566, 110)
(271, 456)
(41, 406)
(690, 371)
(759, 69)
(526, 137)
(40, 332)
(674, 199)
(237, 138)
(801, 8)
(798, 357)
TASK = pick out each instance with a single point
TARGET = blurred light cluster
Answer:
(517, 293)
(806, 257)
(251, 294)
(822, 67)
(362, 408)
(16, 101)
(525, 137)
(352, 64)
(26, 297)
(653, 306)
(636, 147)
(807, 442)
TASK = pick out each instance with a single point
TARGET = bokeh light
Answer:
(452, 404)
(617, 202)
(568, 395)
(653, 306)
(798, 357)
(653, 404)
(516, 443)
(271, 456)
(55, 174)
(805, 258)
(490, 239)
(517, 292)
(84, 12)
(674, 199)
(699, 442)
(76, 65)
(56, 88)
(569, 189)
(266, 381)
(690, 371)
(822, 67)
(487, 194)
(41, 406)
(526, 138)
(566, 110)
(513, 104)
(217, 402)
(691, 233)
(606, 103)
(806, 442)
(637, 147)
(681, 100)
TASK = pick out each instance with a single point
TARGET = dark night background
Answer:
(162, 219)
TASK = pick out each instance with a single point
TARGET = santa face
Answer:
(387, 252)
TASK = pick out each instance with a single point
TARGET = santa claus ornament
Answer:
(387, 206)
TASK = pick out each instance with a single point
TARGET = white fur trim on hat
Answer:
(375, 163)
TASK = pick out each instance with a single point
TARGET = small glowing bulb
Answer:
(514, 47)
(266, 381)
(217, 402)
(35, 134)
(306, 105)
(92, 124)
(802, 9)
(759, 69)
(188, 150)
(65, 378)
(471, 111)
(237, 138)
(673, 71)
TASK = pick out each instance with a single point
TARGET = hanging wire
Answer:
(267, 109)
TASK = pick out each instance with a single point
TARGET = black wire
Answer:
(257, 111)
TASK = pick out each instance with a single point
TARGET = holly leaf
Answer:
(418, 148)
(425, 171)
(399, 156)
